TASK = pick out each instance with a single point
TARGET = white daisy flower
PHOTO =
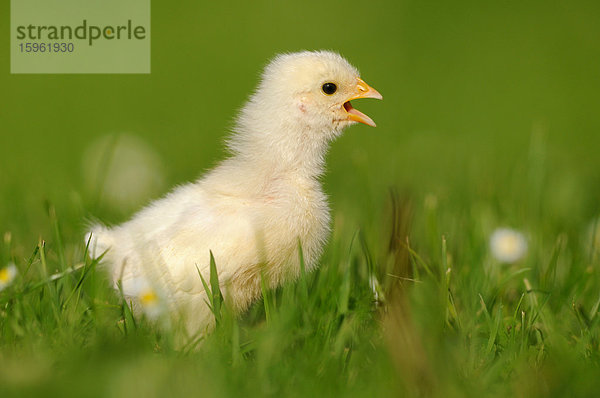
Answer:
(508, 245)
(124, 169)
(7, 275)
(150, 299)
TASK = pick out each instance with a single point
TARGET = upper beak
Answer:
(363, 90)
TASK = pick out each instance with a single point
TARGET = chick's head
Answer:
(314, 90)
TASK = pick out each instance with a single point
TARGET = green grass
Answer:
(490, 119)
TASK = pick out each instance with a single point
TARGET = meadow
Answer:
(490, 119)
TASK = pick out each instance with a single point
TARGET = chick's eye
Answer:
(329, 88)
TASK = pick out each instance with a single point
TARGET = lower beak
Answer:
(363, 90)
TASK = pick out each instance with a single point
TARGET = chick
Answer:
(256, 207)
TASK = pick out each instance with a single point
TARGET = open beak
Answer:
(363, 90)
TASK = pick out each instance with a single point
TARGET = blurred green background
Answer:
(490, 117)
(466, 84)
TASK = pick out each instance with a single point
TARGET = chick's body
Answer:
(247, 234)
(254, 209)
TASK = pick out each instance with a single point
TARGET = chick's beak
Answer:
(363, 90)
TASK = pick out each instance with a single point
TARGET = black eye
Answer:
(329, 88)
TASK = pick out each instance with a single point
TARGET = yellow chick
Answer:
(253, 209)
